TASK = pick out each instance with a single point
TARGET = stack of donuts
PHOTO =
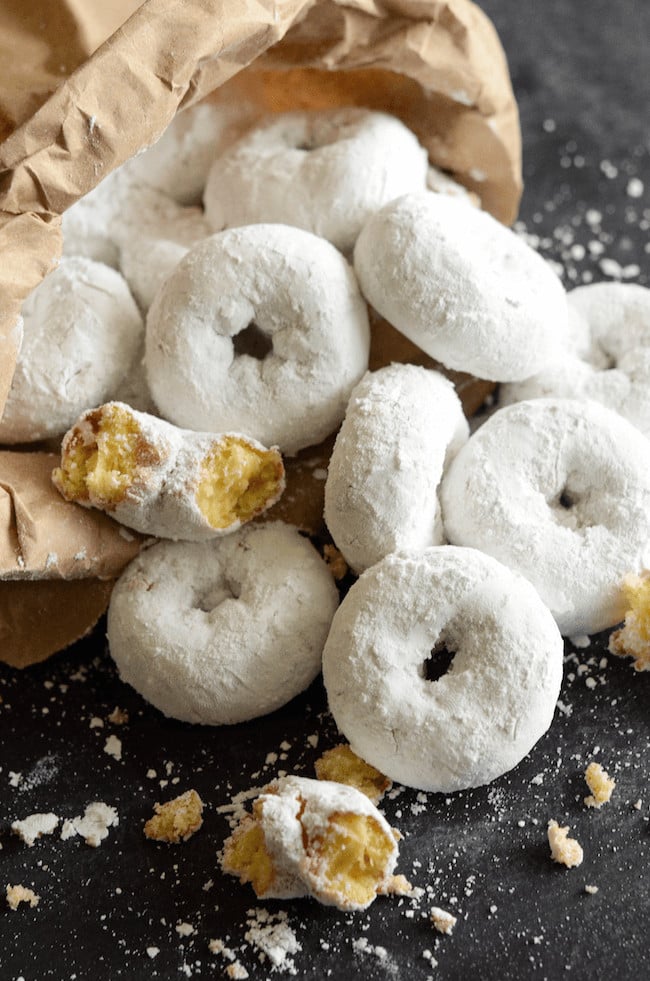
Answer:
(211, 314)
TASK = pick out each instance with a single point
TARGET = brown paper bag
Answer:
(436, 64)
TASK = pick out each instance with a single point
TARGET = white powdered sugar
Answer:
(224, 631)
(403, 425)
(324, 172)
(461, 286)
(606, 356)
(273, 938)
(93, 825)
(482, 716)
(300, 295)
(82, 334)
(558, 490)
(32, 827)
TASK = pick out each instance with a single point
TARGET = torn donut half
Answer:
(165, 481)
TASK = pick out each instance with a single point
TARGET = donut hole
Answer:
(209, 599)
(253, 342)
(570, 509)
(350, 857)
(103, 455)
(439, 661)
(238, 481)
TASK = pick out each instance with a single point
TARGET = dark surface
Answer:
(581, 77)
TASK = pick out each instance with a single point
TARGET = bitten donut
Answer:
(313, 838)
(558, 490)
(605, 357)
(82, 335)
(488, 710)
(402, 426)
(224, 631)
(283, 290)
(461, 286)
(165, 481)
(326, 172)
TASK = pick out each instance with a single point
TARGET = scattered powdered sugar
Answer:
(273, 938)
(113, 747)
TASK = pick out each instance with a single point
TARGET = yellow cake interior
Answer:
(350, 858)
(342, 765)
(633, 639)
(245, 856)
(238, 481)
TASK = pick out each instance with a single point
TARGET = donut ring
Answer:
(82, 334)
(559, 491)
(301, 295)
(224, 631)
(325, 172)
(480, 718)
(607, 355)
(402, 425)
(461, 286)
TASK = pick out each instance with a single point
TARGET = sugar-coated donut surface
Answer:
(605, 357)
(224, 631)
(558, 490)
(326, 172)
(82, 334)
(461, 286)
(402, 425)
(301, 294)
(496, 700)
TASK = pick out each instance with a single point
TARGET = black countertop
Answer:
(580, 71)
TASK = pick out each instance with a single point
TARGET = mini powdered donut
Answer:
(606, 355)
(326, 172)
(82, 334)
(179, 162)
(270, 284)
(165, 481)
(461, 286)
(313, 838)
(88, 225)
(224, 631)
(488, 710)
(558, 490)
(402, 426)
(153, 235)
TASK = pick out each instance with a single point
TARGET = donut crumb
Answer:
(176, 820)
(238, 481)
(443, 921)
(600, 784)
(633, 638)
(21, 894)
(564, 850)
(342, 765)
(335, 562)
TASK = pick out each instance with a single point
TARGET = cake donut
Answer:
(461, 286)
(606, 355)
(165, 481)
(325, 172)
(280, 288)
(313, 838)
(558, 490)
(488, 710)
(402, 426)
(224, 631)
(153, 238)
(82, 333)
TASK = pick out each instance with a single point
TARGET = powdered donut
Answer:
(606, 355)
(558, 490)
(496, 700)
(295, 293)
(165, 481)
(464, 288)
(313, 838)
(326, 172)
(179, 162)
(402, 425)
(224, 631)
(82, 333)
(442, 183)
(88, 225)
(153, 237)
